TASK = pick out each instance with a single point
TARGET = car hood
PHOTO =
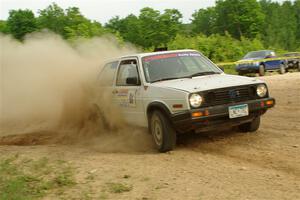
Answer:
(202, 83)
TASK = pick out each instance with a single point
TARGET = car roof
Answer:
(261, 50)
(156, 53)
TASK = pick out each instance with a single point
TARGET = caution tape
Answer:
(260, 60)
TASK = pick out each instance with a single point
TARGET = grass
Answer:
(229, 69)
(32, 179)
(118, 187)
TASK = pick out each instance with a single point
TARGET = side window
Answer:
(128, 73)
(107, 74)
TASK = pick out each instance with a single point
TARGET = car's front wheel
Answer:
(250, 126)
(282, 69)
(162, 131)
(261, 70)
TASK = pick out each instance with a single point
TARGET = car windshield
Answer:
(177, 65)
(259, 54)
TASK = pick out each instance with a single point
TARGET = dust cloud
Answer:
(48, 87)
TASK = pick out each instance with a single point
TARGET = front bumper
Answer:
(247, 69)
(216, 117)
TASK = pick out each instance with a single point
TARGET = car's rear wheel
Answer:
(250, 126)
(96, 115)
(282, 69)
(162, 131)
(261, 70)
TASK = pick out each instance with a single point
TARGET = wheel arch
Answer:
(158, 106)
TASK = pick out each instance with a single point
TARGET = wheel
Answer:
(299, 66)
(250, 126)
(162, 131)
(282, 69)
(97, 116)
(261, 70)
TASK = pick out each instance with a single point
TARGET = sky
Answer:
(103, 10)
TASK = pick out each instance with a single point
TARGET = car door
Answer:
(272, 64)
(127, 92)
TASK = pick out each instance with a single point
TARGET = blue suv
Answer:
(251, 63)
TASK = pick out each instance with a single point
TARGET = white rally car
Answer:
(173, 92)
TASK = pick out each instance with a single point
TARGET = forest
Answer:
(224, 32)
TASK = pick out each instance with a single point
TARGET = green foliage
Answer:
(224, 32)
(77, 26)
(204, 21)
(280, 27)
(3, 27)
(217, 47)
(239, 18)
(150, 29)
(21, 22)
(52, 18)
(277, 25)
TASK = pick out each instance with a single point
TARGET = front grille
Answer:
(229, 95)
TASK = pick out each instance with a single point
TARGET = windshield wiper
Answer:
(202, 74)
(165, 79)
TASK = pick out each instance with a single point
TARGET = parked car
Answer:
(253, 63)
(174, 92)
(294, 61)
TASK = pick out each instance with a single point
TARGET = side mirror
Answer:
(132, 81)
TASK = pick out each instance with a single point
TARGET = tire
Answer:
(163, 133)
(298, 66)
(250, 126)
(96, 116)
(282, 69)
(261, 70)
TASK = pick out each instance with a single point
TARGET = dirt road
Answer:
(220, 165)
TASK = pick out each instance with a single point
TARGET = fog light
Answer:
(197, 114)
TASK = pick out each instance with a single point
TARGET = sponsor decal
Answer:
(170, 55)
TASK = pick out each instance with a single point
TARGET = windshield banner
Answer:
(169, 55)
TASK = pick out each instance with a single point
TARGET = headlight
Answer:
(195, 100)
(261, 90)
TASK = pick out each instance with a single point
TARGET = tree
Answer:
(297, 12)
(3, 27)
(150, 29)
(69, 23)
(21, 22)
(76, 25)
(239, 18)
(53, 18)
(280, 25)
(204, 21)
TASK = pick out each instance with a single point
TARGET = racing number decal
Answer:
(132, 98)
(127, 97)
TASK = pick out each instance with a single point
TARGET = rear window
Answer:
(106, 76)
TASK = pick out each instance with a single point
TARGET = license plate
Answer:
(238, 111)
